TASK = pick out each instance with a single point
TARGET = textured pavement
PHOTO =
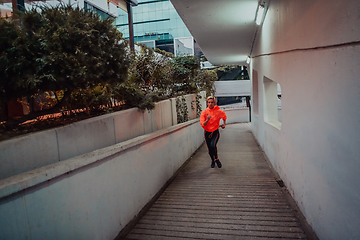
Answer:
(242, 200)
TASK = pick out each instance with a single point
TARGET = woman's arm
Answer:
(224, 124)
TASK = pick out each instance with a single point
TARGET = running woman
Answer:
(210, 121)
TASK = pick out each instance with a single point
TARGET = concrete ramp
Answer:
(242, 200)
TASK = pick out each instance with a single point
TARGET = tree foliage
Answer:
(85, 62)
(148, 70)
(10, 69)
(183, 72)
(77, 48)
(205, 80)
(61, 48)
(155, 75)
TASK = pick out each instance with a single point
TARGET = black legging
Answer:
(212, 139)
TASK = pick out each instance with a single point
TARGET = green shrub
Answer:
(60, 48)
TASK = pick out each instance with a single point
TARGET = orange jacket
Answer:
(214, 122)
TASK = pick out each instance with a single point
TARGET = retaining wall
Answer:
(36, 150)
(94, 195)
(236, 115)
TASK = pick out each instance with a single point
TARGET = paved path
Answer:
(242, 200)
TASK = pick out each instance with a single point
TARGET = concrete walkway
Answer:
(242, 200)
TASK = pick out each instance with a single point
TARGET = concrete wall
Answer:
(231, 88)
(93, 196)
(236, 115)
(32, 151)
(312, 49)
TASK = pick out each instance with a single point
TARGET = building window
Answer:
(154, 20)
(103, 15)
(271, 115)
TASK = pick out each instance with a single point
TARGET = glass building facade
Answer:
(102, 8)
(93, 8)
(154, 20)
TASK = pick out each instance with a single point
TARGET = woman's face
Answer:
(211, 103)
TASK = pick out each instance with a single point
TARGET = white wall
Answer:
(236, 115)
(94, 196)
(231, 88)
(236, 112)
(312, 49)
(36, 150)
(184, 46)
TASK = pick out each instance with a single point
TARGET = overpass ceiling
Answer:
(224, 29)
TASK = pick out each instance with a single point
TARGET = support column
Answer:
(17, 6)
(131, 26)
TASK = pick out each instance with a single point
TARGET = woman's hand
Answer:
(207, 119)
(223, 125)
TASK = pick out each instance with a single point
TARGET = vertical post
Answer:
(248, 104)
(14, 9)
(14, 5)
(17, 6)
(131, 25)
(21, 5)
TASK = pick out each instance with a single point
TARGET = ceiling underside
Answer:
(224, 29)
